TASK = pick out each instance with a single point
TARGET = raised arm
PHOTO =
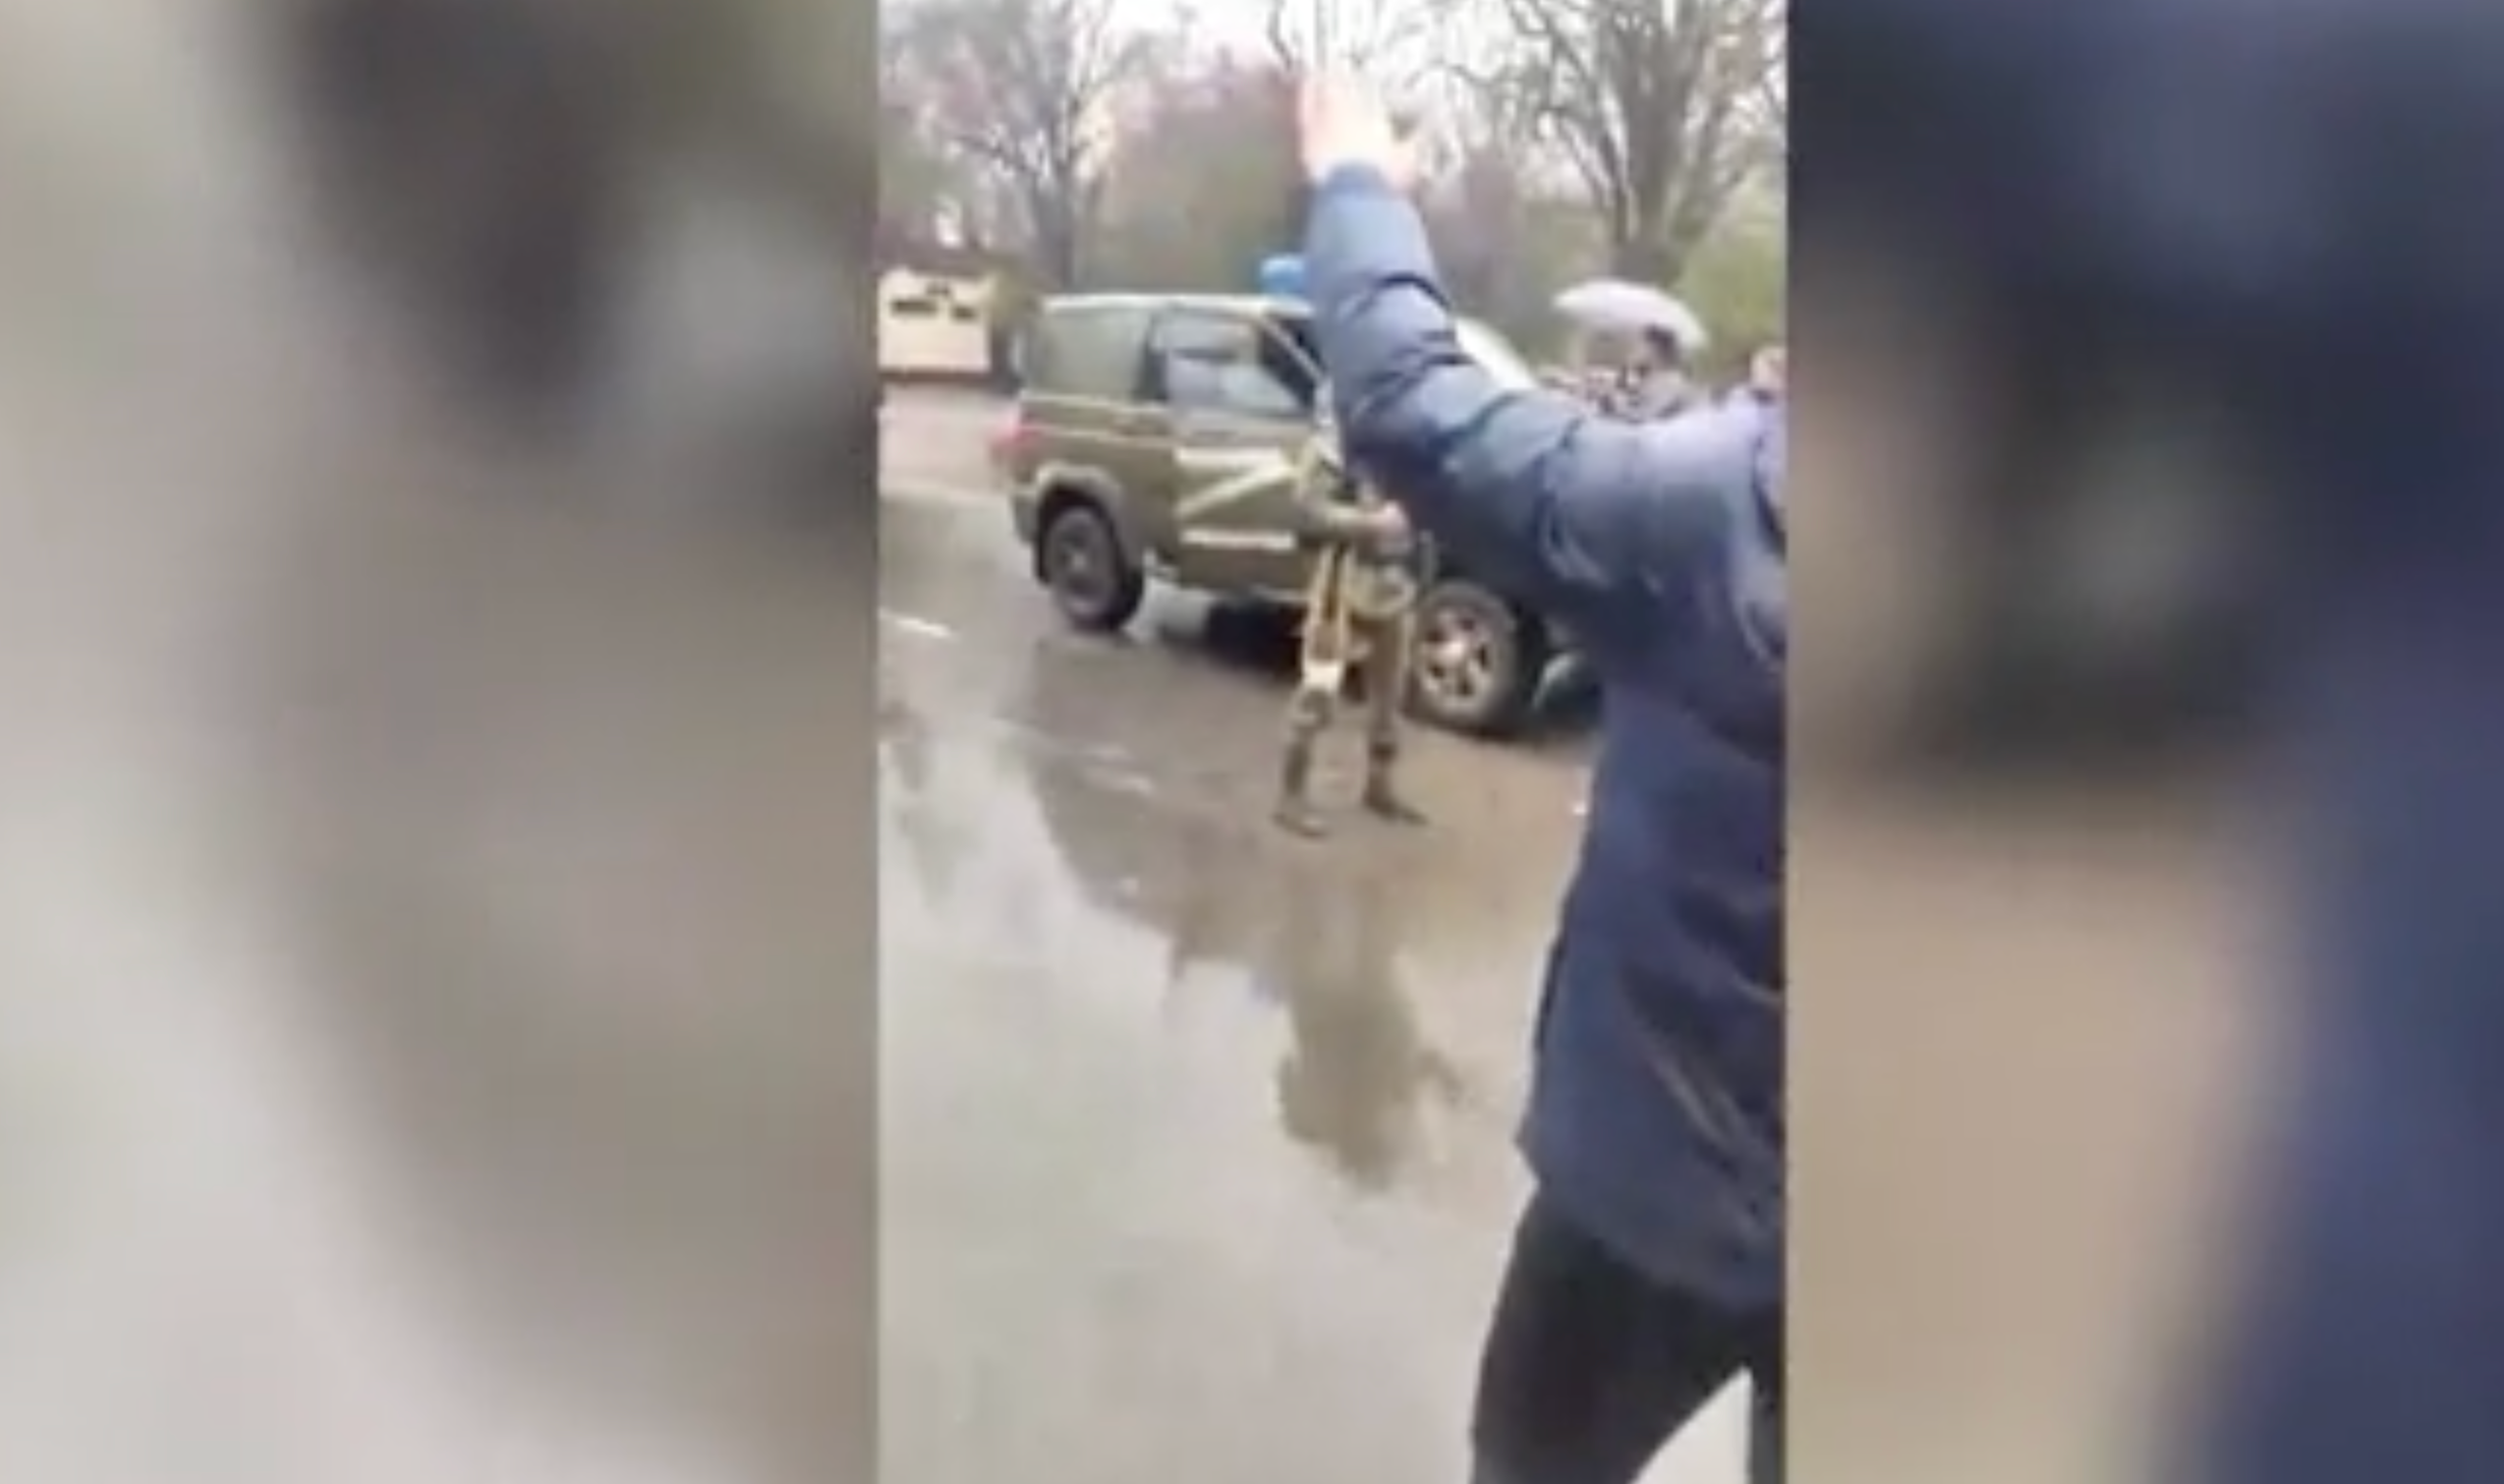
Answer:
(1576, 512)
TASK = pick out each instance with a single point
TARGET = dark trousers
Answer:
(1590, 1367)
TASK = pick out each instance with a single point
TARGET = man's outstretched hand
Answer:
(1345, 122)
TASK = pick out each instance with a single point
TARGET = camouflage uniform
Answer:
(1357, 613)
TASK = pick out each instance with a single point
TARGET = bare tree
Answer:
(1204, 181)
(917, 173)
(1772, 103)
(1363, 36)
(1026, 90)
(1661, 109)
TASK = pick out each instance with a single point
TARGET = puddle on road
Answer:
(1090, 813)
(1173, 1107)
(1089, 871)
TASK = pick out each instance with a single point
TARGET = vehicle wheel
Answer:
(1477, 662)
(1078, 557)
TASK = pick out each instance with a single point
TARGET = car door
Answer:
(1238, 428)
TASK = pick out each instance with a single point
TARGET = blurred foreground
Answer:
(436, 1015)
(2028, 1016)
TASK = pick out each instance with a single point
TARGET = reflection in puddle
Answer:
(1317, 935)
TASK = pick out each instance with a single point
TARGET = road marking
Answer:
(918, 627)
(930, 492)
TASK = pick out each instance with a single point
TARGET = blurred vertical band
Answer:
(2165, 326)
(438, 606)
(2028, 584)
(625, 250)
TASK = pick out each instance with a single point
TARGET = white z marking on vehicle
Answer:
(1248, 474)
(1242, 541)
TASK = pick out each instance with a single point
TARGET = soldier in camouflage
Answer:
(1358, 612)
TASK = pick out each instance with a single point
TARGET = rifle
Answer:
(1355, 577)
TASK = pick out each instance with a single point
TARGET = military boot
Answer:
(1295, 812)
(1381, 797)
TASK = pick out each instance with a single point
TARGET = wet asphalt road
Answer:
(1185, 1123)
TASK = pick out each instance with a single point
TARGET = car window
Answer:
(1215, 363)
(1088, 350)
(1286, 347)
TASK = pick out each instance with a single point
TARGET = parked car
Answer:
(1135, 408)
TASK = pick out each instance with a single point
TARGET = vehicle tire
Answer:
(1080, 560)
(1478, 662)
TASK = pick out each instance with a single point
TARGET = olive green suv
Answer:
(1158, 436)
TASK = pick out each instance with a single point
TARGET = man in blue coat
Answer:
(1647, 1270)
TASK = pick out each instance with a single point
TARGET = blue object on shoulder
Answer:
(1282, 276)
